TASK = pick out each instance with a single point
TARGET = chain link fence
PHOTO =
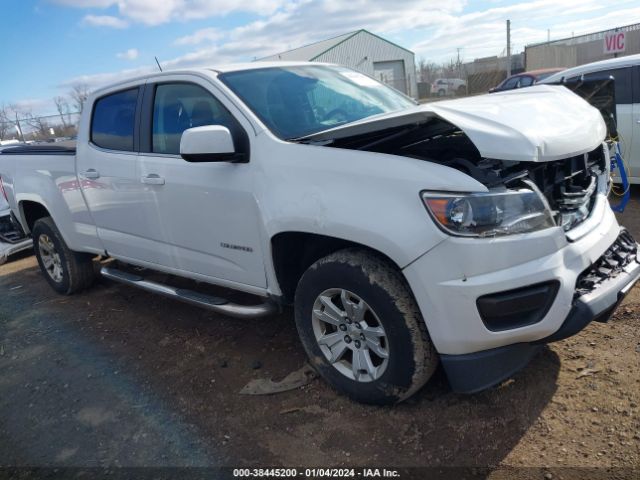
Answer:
(458, 79)
(29, 128)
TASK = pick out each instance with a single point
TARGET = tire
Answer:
(441, 92)
(462, 90)
(361, 276)
(66, 271)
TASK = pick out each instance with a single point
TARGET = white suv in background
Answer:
(626, 73)
(448, 86)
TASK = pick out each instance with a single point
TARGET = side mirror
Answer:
(209, 143)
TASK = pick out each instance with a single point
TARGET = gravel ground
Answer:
(120, 377)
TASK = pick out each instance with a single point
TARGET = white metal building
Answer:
(365, 52)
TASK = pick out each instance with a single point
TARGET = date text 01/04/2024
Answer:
(316, 473)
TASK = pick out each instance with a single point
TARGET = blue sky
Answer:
(51, 44)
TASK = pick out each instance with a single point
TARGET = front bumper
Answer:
(448, 281)
(473, 372)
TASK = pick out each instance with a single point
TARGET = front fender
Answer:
(369, 198)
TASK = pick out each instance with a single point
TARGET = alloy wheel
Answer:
(350, 335)
(50, 258)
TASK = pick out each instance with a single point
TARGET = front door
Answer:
(204, 215)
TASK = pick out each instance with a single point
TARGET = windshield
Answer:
(298, 101)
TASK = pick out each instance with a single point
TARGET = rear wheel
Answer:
(362, 329)
(66, 271)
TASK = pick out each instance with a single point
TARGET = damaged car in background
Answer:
(468, 232)
(12, 238)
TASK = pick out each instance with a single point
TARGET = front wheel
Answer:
(362, 329)
(66, 271)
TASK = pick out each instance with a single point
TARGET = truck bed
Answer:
(65, 148)
(43, 176)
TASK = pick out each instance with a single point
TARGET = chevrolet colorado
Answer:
(467, 232)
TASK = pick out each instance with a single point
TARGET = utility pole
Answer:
(548, 35)
(508, 48)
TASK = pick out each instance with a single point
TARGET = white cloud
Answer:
(98, 80)
(200, 36)
(86, 3)
(130, 54)
(443, 26)
(434, 29)
(32, 105)
(483, 33)
(155, 12)
(104, 21)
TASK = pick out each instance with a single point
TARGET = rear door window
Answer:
(113, 122)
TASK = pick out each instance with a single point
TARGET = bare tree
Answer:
(450, 69)
(62, 105)
(41, 127)
(9, 121)
(6, 125)
(79, 93)
(428, 71)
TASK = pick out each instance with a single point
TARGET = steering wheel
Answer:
(337, 115)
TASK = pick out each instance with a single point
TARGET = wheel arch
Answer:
(293, 252)
(31, 211)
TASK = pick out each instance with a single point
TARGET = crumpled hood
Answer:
(536, 124)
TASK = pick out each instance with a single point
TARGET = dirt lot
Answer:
(119, 377)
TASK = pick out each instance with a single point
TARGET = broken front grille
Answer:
(569, 185)
(623, 252)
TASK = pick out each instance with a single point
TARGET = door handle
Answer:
(153, 179)
(92, 173)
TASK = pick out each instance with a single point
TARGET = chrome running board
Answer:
(217, 304)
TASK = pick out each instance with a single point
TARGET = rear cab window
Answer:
(113, 120)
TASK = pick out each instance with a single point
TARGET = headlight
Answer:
(489, 214)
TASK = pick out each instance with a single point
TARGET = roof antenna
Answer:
(158, 63)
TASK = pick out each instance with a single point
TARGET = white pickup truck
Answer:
(467, 232)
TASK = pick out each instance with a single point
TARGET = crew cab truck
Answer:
(468, 232)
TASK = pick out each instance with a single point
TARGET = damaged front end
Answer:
(539, 152)
(522, 196)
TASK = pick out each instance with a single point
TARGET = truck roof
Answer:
(611, 63)
(231, 67)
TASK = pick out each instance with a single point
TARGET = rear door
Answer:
(626, 116)
(203, 214)
(627, 108)
(634, 157)
(107, 170)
